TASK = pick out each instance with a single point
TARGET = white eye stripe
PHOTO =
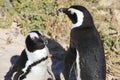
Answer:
(79, 15)
(40, 32)
(71, 11)
(33, 34)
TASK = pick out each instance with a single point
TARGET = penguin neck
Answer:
(37, 54)
(29, 69)
(80, 18)
(73, 26)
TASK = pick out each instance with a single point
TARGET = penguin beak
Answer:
(64, 10)
(45, 40)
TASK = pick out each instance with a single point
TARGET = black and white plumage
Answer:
(86, 48)
(33, 61)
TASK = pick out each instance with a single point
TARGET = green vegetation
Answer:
(43, 15)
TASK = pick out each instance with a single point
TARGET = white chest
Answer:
(37, 73)
(38, 69)
(78, 65)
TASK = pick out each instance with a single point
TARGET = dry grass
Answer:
(43, 16)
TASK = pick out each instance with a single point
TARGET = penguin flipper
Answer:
(50, 73)
(19, 64)
(68, 62)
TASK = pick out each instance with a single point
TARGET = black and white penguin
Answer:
(86, 48)
(33, 61)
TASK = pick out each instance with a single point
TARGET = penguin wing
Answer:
(20, 64)
(50, 73)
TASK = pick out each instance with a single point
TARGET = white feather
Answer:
(33, 34)
(80, 17)
(78, 66)
(39, 71)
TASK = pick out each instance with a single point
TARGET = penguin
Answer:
(33, 61)
(85, 49)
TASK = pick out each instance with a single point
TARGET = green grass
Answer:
(43, 15)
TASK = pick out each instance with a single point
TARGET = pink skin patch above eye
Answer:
(33, 35)
(71, 12)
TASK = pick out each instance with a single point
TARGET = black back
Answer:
(90, 48)
(86, 40)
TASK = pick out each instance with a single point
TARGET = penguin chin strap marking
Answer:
(80, 17)
(30, 66)
(78, 65)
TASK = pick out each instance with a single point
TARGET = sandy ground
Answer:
(10, 45)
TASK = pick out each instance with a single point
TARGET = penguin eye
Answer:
(34, 37)
(70, 11)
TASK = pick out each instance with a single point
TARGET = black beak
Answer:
(44, 40)
(64, 10)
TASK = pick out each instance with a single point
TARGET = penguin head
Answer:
(35, 41)
(79, 16)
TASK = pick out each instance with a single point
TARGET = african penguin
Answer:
(32, 63)
(86, 48)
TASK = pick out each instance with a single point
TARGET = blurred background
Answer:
(18, 17)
